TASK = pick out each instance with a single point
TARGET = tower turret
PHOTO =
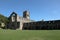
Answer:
(26, 14)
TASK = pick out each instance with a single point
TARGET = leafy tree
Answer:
(3, 19)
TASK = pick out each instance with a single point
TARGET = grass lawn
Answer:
(30, 35)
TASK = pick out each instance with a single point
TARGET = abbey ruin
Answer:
(25, 23)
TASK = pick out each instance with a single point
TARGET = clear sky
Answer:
(39, 9)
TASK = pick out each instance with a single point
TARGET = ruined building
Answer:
(16, 22)
(24, 23)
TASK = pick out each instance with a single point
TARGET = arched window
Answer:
(13, 17)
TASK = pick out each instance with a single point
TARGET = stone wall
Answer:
(42, 25)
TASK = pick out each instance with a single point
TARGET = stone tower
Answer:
(26, 14)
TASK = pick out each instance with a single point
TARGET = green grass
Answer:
(30, 35)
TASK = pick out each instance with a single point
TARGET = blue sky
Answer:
(39, 9)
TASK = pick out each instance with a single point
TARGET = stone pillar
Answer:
(21, 25)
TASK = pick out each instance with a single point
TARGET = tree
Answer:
(3, 19)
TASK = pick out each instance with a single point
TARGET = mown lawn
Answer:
(30, 35)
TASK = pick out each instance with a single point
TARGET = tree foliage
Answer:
(3, 19)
